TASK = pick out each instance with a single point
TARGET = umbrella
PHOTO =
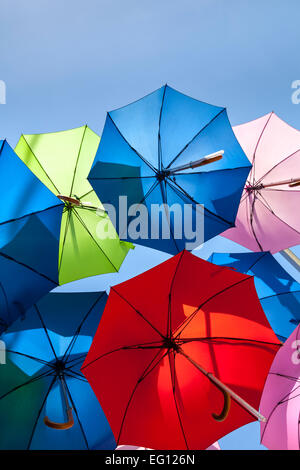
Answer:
(278, 292)
(184, 350)
(170, 151)
(45, 402)
(62, 160)
(267, 219)
(29, 237)
(281, 398)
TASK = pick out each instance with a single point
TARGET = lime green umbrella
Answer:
(62, 161)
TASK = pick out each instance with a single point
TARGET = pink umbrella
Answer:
(280, 402)
(268, 216)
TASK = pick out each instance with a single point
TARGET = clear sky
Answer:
(66, 63)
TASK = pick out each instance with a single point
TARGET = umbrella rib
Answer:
(257, 261)
(103, 178)
(132, 148)
(150, 190)
(90, 234)
(5, 324)
(251, 223)
(185, 323)
(77, 160)
(139, 313)
(169, 322)
(40, 361)
(73, 341)
(195, 136)
(280, 293)
(77, 415)
(39, 163)
(121, 348)
(278, 218)
(39, 413)
(173, 379)
(76, 376)
(227, 338)
(150, 367)
(284, 376)
(45, 330)
(14, 389)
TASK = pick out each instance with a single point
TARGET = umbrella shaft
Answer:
(224, 387)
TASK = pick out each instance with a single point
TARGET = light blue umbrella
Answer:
(278, 292)
(45, 401)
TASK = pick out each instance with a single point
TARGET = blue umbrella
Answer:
(45, 401)
(29, 237)
(278, 292)
(168, 148)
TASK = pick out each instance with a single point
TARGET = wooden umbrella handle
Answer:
(67, 425)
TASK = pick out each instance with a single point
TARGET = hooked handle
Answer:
(67, 425)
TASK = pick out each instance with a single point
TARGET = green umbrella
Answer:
(62, 161)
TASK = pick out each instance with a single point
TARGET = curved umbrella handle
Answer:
(226, 408)
(67, 425)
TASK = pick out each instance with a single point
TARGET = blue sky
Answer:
(68, 63)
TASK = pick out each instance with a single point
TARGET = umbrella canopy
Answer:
(172, 345)
(29, 237)
(267, 219)
(281, 399)
(278, 292)
(168, 148)
(62, 160)
(45, 402)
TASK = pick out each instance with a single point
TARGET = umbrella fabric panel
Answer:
(280, 400)
(267, 212)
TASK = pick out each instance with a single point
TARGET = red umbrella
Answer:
(174, 345)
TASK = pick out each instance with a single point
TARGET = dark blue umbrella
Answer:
(29, 237)
(168, 148)
(278, 292)
(45, 401)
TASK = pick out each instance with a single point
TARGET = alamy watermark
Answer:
(155, 221)
(2, 92)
